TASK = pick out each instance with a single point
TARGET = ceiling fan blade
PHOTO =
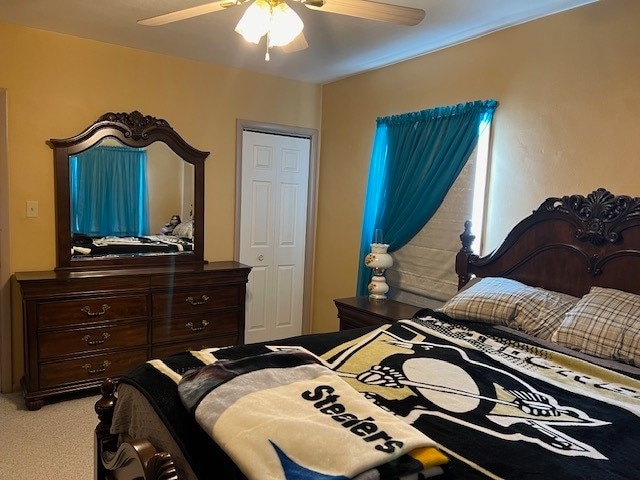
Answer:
(189, 13)
(382, 12)
(298, 43)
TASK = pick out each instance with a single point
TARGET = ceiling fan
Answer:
(282, 26)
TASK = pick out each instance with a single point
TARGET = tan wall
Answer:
(57, 85)
(569, 111)
(165, 171)
(567, 87)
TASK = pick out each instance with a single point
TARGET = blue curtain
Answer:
(109, 192)
(416, 158)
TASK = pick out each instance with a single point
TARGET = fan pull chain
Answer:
(266, 55)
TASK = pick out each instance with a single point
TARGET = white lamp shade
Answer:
(285, 25)
(255, 22)
(280, 22)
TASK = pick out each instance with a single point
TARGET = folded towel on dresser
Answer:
(284, 415)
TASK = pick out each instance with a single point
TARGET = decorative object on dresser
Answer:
(378, 261)
(149, 295)
(357, 312)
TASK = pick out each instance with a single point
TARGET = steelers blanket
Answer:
(497, 407)
(284, 415)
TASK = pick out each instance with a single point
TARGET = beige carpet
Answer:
(53, 443)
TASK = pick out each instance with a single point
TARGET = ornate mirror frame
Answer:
(134, 130)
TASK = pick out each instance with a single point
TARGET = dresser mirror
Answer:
(129, 192)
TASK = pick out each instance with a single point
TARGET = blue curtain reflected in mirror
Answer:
(109, 192)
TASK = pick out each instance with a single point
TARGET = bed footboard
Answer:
(130, 460)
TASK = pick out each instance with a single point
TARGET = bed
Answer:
(84, 245)
(529, 372)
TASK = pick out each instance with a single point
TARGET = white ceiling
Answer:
(339, 46)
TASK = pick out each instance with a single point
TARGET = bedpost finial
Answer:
(467, 238)
(105, 405)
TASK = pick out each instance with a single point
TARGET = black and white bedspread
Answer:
(499, 408)
(83, 245)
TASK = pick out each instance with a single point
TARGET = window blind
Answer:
(423, 271)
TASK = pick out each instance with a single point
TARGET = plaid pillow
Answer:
(502, 301)
(489, 300)
(630, 349)
(540, 312)
(602, 324)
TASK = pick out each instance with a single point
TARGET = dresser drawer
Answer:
(194, 327)
(90, 310)
(91, 339)
(93, 367)
(163, 351)
(195, 300)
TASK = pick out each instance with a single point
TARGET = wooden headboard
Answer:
(567, 245)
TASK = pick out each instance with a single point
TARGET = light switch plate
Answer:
(32, 208)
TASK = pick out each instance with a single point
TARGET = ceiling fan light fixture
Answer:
(254, 24)
(285, 25)
(273, 18)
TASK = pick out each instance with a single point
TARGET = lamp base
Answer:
(378, 287)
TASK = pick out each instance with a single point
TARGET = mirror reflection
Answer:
(126, 200)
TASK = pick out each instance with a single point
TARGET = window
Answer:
(424, 268)
(416, 159)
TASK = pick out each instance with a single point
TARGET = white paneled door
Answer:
(273, 221)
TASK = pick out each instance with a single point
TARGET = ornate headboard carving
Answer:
(568, 244)
(601, 214)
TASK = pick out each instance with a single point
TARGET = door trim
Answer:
(312, 200)
(6, 366)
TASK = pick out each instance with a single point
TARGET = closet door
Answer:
(273, 223)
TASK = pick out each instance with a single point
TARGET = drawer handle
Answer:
(190, 325)
(87, 310)
(194, 302)
(87, 339)
(93, 371)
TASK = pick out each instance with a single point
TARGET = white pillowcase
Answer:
(502, 301)
(184, 229)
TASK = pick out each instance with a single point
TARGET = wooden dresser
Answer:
(81, 327)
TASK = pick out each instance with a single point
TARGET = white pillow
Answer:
(184, 229)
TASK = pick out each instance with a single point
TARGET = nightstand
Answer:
(357, 312)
